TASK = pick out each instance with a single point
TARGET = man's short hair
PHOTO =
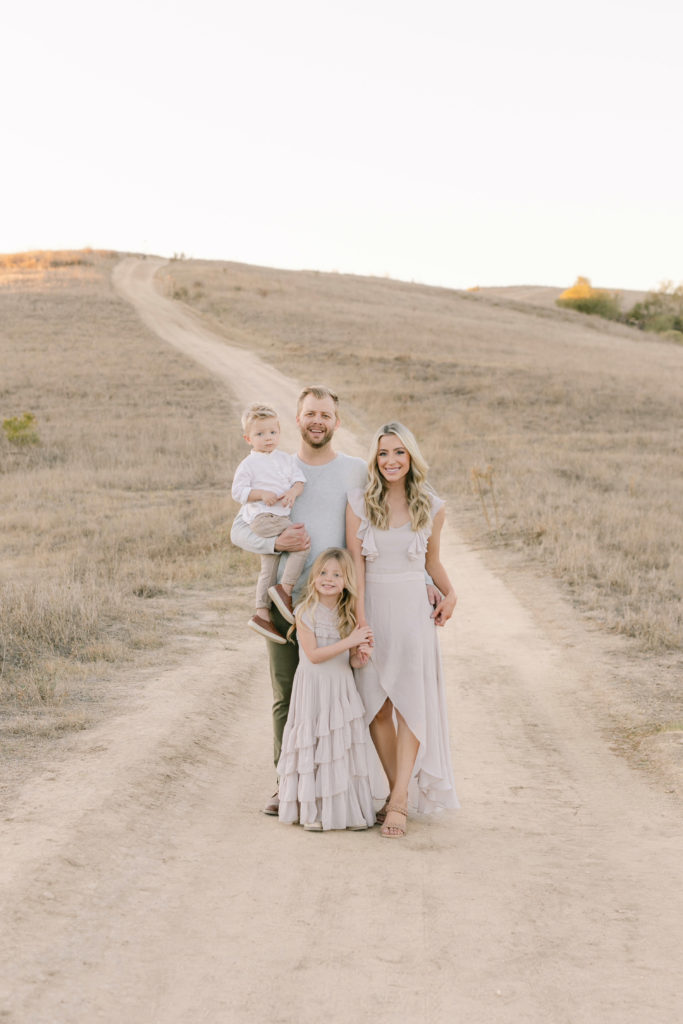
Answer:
(318, 391)
(257, 411)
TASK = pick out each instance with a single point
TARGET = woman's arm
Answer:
(354, 547)
(316, 655)
(446, 606)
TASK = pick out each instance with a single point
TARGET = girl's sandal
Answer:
(394, 831)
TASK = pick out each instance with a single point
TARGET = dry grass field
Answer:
(119, 513)
(579, 419)
(118, 517)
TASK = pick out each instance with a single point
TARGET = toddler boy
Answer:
(266, 484)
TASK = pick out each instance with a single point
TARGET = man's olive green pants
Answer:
(284, 659)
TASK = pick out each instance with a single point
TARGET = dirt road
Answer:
(142, 885)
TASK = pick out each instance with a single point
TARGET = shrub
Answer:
(581, 289)
(586, 299)
(660, 311)
(21, 430)
(42, 260)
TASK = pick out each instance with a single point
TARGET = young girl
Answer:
(322, 768)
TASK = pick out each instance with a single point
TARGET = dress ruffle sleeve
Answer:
(437, 503)
(365, 533)
(418, 545)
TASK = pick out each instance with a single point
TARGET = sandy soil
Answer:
(140, 882)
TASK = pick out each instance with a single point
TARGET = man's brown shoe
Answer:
(272, 804)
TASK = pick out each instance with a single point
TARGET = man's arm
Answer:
(294, 538)
(242, 537)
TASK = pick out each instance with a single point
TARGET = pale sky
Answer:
(492, 143)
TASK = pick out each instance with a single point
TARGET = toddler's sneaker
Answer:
(266, 629)
(282, 602)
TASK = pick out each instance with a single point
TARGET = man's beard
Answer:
(318, 442)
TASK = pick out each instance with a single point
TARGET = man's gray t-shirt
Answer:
(321, 508)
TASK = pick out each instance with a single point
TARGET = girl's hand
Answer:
(269, 498)
(444, 609)
(361, 635)
(363, 622)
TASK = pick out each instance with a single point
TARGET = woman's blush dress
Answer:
(406, 659)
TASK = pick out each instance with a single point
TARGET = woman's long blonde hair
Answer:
(418, 491)
(346, 604)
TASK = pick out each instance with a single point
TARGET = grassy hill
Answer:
(116, 519)
(118, 513)
(578, 418)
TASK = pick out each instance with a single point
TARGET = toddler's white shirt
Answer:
(265, 471)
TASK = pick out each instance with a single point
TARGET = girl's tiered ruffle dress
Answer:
(323, 765)
(406, 659)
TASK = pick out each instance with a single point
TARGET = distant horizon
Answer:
(318, 270)
(446, 145)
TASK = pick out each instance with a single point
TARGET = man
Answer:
(322, 511)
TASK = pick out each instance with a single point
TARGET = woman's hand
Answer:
(444, 609)
(360, 656)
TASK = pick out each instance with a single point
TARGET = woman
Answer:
(393, 530)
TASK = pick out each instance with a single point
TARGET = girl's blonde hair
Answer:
(418, 491)
(346, 605)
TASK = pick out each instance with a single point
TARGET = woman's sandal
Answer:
(382, 813)
(394, 831)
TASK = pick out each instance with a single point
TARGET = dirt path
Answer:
(140, 883)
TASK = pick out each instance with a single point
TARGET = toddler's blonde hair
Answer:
(257, 411)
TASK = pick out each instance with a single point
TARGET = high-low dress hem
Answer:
(406, 664)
